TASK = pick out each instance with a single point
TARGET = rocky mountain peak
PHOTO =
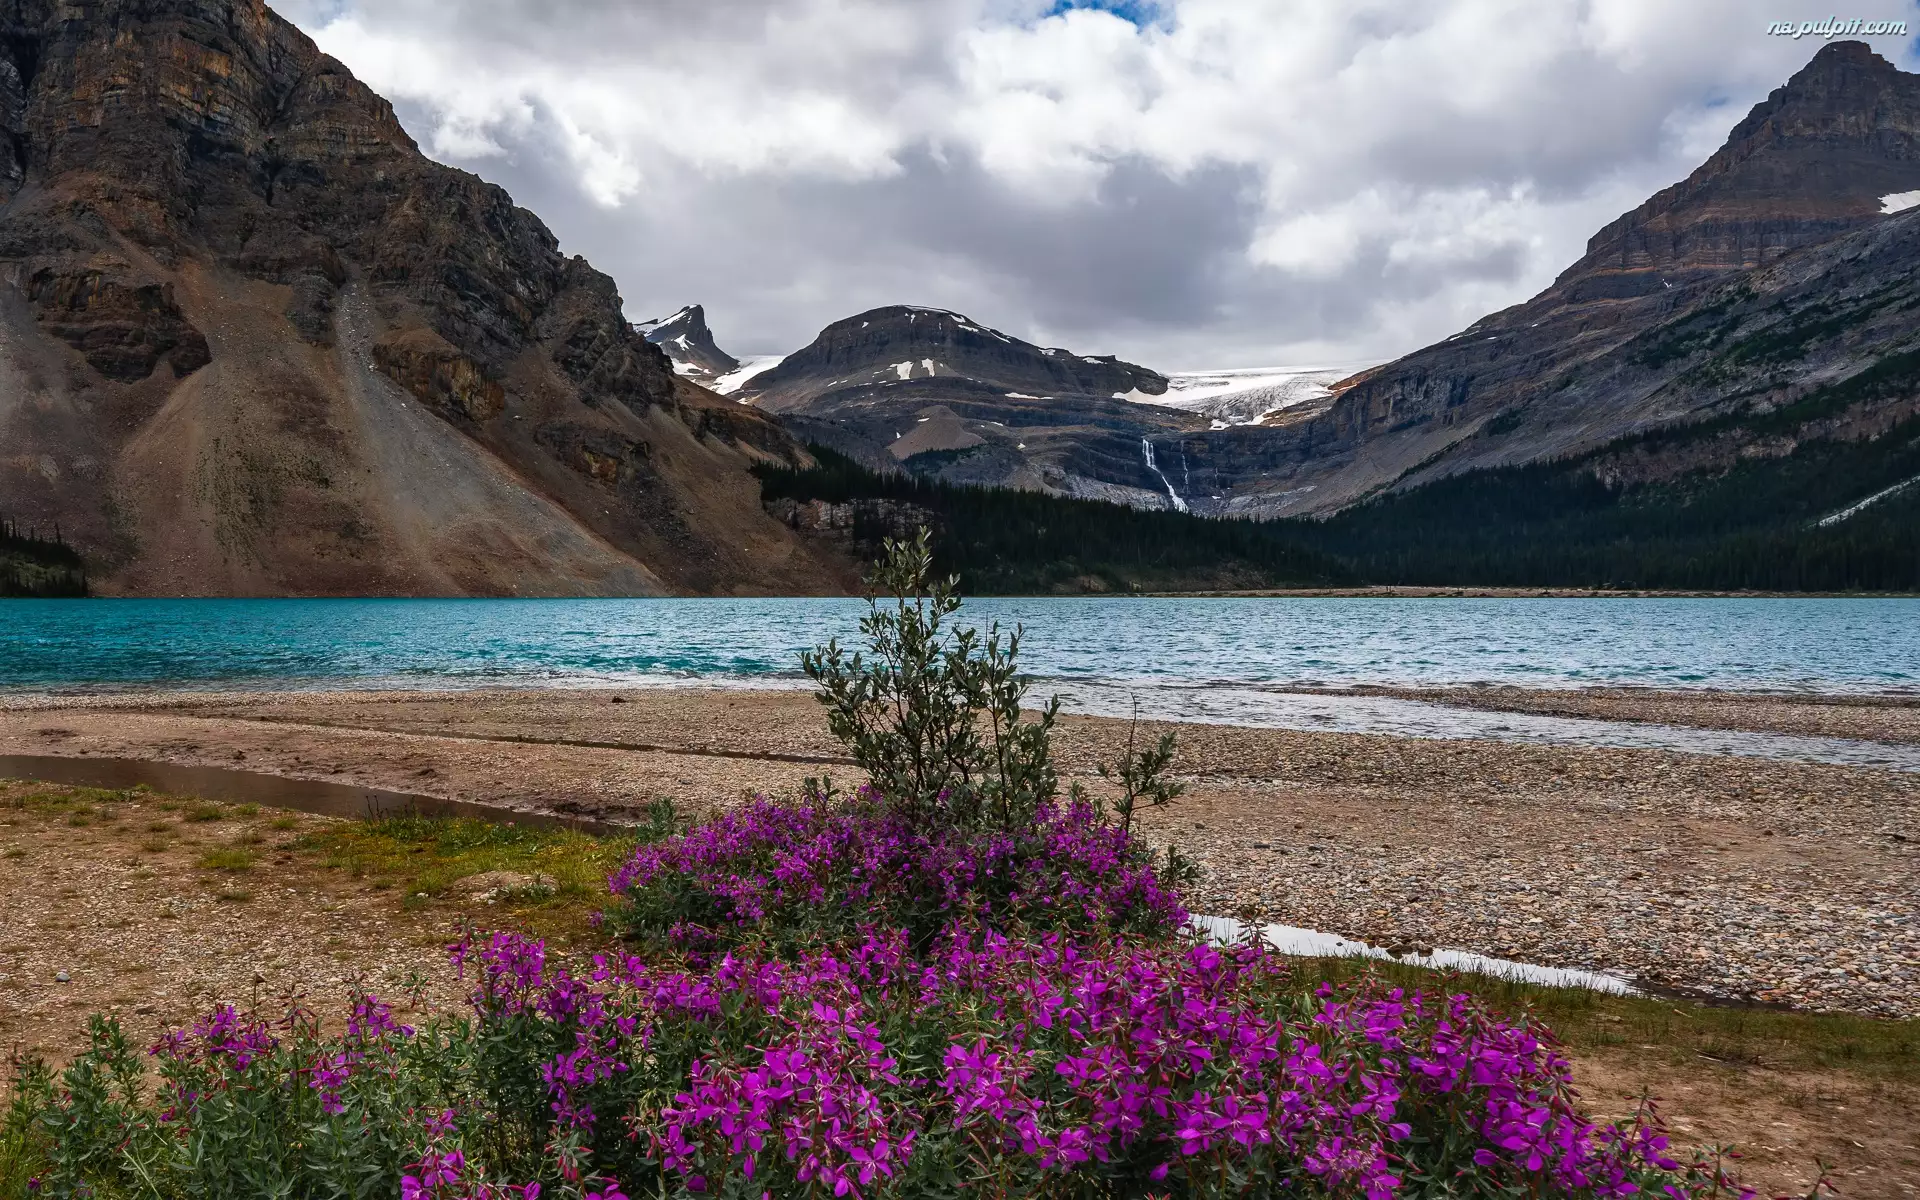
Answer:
(909, 344)
(685, 338)
(1809, 162)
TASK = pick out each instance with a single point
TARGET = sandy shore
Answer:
(1779, 882)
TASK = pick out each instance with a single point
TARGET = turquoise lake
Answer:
(1787, 644)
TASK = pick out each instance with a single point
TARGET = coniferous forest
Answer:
(33, 564)
(1754, 527)
(1013, 542)
(1831, 516)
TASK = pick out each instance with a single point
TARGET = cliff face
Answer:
(1809, 162)
(252, 341)
(1566, 371)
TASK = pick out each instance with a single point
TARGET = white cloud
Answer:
(1232, 181)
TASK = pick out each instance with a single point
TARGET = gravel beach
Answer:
(1782, 883)
(1879, 718)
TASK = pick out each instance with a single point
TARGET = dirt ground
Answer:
(1772, 881)
(1794, 884)
(115, 899)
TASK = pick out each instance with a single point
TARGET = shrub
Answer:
(931, 713)
(794, 871)
(243, 1109)
(961, 817)
(1010, 1065)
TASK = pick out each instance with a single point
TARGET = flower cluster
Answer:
(878, 1065)
(872, 1070)
(814, 866)
(223, 1037)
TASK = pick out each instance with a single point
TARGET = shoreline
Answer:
(1749, 880)
(1868, 716)
(1878, 730)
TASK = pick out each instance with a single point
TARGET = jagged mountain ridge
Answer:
(686, 340)
(1563, 373)
(960, 401)
(253, 342)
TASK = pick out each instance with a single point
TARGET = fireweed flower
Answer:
(801, 863)
(1054, 1054)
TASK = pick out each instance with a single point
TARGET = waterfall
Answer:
(1146, 448)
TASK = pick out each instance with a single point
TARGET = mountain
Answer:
(1762, 241)
(904, 350)
(685, 339)
(1783, 451)
(955, 400)
(1723, 392)
(252, 341)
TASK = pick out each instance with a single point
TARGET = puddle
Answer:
(1311, 943)
(273, 791)
(1337, 712)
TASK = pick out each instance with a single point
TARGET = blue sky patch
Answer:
(1140, 12)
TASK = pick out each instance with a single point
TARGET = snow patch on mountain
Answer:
(1243, 397)
(730, 383)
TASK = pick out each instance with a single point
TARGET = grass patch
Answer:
(206, 812)
(284, 823)
(228, 859)
(1685, 1033)
(426, 857)
(64, 803)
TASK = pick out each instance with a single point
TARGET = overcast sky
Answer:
(1187, 183)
